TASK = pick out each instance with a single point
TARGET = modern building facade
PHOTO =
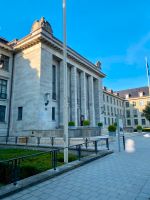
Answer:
(32, 84)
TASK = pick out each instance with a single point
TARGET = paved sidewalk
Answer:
(119, 176)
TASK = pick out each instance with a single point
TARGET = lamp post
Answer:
(65, 111)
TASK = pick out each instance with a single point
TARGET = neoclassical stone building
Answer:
(32, 85)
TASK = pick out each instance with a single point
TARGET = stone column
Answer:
(97, 100)
(61, 99)
(74, 94)
(91, 101)
(83, 95)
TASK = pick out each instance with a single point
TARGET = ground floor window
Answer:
(20, 111)
(136, 121)
(2, 113)
(105, 121)
(129, 122)
(53, 113)
(143, 121)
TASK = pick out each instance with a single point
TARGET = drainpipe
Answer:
(10, 97)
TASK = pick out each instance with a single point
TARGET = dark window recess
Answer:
(53, 113)
(54, 82)
(127, 104)
(3, 89)
(129, 122)
(143, 121)
(4, 62)
(20, 111)
(136, 121)
(2, 113)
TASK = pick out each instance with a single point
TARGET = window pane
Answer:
(4, 62)
(53, 113)
(2, 113)
(3, 89)
(20, 110)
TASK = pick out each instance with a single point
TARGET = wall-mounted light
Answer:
(46, 98)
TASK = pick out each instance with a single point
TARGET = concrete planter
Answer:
(112, 134)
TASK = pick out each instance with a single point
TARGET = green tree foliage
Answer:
(146, 112)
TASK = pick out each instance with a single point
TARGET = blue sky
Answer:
(116, 32)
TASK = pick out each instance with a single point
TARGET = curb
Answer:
(10, 189)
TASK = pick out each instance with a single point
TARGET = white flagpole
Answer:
(147, 70)
(65, 113)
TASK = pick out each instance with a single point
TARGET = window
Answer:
(108, 110)
(54, 82)
(2, 113)
(128, 113)
(129, 122)
(136, 121)
(4, 62)
(127, 104)
(134, 103)
(53, 113)
(141, 103)
(112, 120)
(107, 99)
(20, 110)
(108, 121)
(103, 97)
(114, 102)
(110, 99)
(143, 121)
(135, 113)
(3, 89)
(105, 121)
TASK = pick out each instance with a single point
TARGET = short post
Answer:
(16, 139)
(107, 143)
(7, 139)
(86, 142)
(95, 144)
(54, 159)
(38, 141)
(124, 145)
(79, 150)
(52, 141)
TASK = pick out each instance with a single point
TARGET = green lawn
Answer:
(29, 166)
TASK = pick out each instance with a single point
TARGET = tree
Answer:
(146, 111)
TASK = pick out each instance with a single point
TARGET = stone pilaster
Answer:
(61, 99)
(83, 95)
(74, 94)
(91, 101)
(97, 100)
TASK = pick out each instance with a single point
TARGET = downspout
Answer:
(10, 98)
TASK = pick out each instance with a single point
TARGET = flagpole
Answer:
(147, 70)
(65, 111)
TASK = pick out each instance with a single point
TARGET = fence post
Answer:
(124, 146)
(54, 159)
(16, 139)
(38, 141)
(107, 143)
(86, 142)
(95, 144)
(78, 147)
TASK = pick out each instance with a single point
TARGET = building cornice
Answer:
(41, 35)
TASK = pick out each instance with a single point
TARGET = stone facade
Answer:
(38, 84)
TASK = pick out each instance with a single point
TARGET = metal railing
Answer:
(13, 166)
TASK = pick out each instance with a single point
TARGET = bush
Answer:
(86, 123)
(112, 128)
(139, 128)
(100, 124)
(146, 129)
(71, 123)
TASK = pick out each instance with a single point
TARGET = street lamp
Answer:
(65, 111)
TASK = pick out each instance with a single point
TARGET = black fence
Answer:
(15, 169)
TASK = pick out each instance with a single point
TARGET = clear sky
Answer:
(116, 32)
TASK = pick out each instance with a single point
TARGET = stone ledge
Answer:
(38, 178)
